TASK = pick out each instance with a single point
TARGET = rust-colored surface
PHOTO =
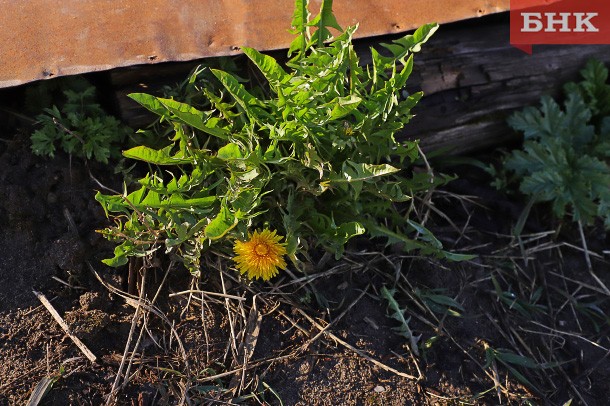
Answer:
(48, 38)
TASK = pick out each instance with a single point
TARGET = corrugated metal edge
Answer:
(44, 39)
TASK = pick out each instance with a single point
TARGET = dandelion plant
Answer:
(315, 159)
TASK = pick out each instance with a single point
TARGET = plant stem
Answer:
(584, 246)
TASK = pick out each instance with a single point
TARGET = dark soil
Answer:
(48, 218)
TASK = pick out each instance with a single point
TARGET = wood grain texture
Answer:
(473, 80)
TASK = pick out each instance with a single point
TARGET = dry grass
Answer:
(532, 307)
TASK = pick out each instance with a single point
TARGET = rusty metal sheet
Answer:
(41, 39)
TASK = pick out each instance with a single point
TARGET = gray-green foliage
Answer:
(316, 159)
(565, 153)
(80, 127)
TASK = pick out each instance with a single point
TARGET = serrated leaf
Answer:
(300, 18)
(144, 199)
(342, 234)
(426, 234)
(322, 22)
(398, 314)
(401, 47)
(193, 117)
(246, 100)
(272, 70)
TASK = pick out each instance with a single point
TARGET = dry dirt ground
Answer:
(521, 324)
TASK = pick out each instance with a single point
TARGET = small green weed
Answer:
(45, 385)
(511, 300)
(438, 302)
(79, 127)
(314, 160)
(399, 314)
(565, 154)
(512, 362)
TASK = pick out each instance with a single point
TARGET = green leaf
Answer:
(342, 106)
(300, 18)
(394, 237)
(523, 218)
(452, 256)
(144, 199)
(357, 172)
(156, 156)
(350, 229)
(267, 65)
(121, 253)
(193, 117)
(410, 244)
(149, 102)
(179, 202)
(426, 234)
(401, 81)
(444, 300)
(398, 314)
(230, 152)
(239, 93)
(516, 359)
(401, 47)
(595, 87)
(224, 222)
(392, 191)
(322, 21)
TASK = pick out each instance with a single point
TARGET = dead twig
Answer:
(148, 307)
(206, 293)
(356, 350)
(134, 322)
(335, 321)
(81, 346)
(588, 259)
(248, 345)
(68, 131)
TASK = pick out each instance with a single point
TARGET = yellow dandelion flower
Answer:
(261, 255)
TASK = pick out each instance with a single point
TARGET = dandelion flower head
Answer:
(261, 255)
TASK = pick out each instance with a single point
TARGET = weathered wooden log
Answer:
(471, 77)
